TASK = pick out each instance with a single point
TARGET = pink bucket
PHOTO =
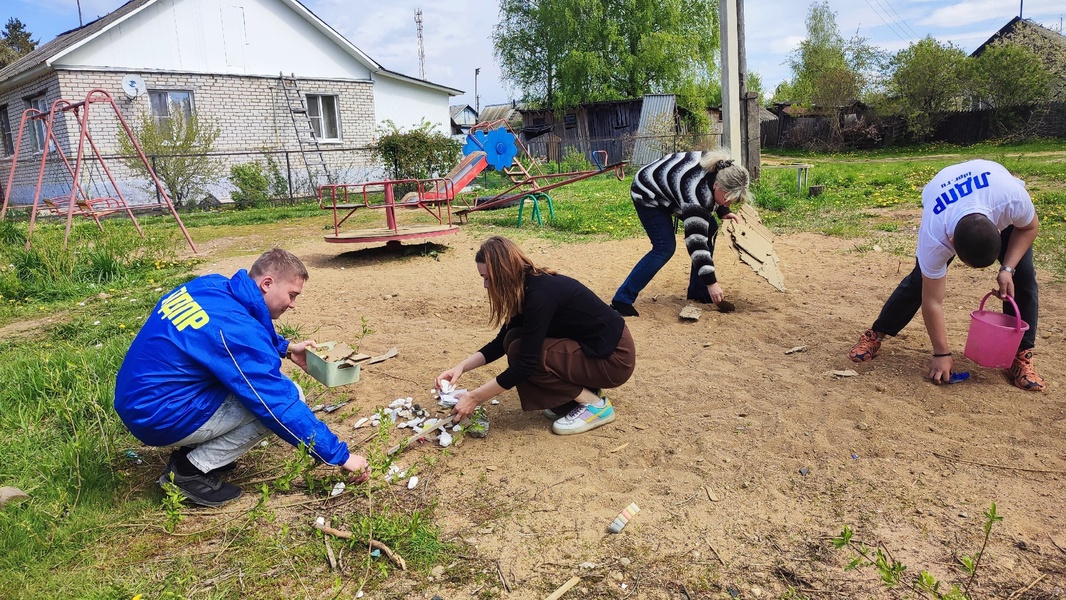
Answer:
(994, 337)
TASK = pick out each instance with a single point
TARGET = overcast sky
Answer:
(457, 33)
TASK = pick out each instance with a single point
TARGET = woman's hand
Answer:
(297, 352)
(452, 375)
(358, 466)
(730, 217)
(468, 403)
(716, 293)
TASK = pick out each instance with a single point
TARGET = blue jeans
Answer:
(659, 225)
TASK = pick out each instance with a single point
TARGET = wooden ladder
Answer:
(310, 151)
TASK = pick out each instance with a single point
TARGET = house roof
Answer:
(1016, 24)
(455, 109)
(495, 112)
(45, 55)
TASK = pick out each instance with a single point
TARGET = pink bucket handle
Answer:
(1017, 313)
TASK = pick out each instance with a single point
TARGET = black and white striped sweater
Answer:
(677, 184)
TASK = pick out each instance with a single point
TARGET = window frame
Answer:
(160, 119)
(7, 135)
(319, 121)
(38, 127)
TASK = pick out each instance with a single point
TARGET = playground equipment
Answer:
(84, 199)
(489, 145)
(502, 146)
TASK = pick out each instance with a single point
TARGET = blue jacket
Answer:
(205, 340)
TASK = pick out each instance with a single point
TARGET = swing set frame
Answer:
(81, 201)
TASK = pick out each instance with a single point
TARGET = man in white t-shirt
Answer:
(979, 212)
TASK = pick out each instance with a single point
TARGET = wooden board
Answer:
(754, 245)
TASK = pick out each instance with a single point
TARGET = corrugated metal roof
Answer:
(495, 112)
(651, 111)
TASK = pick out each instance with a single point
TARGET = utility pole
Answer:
(80, 24)
(731, 77)
(477, 99)
(421, 45)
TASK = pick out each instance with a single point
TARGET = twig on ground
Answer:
(389, 552)
(622, 447)
(329, 555)
(684, 591)
(503, 579)
(715, 552)
(1061, 549)
(572, 477)
(994, 466)
(694, 494)
(1018, 594)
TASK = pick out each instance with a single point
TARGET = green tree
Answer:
(15, 42)
(547, 49)
(925, 80)
(828, 70)
(421, 153)
(178, 148)
(1007, 75)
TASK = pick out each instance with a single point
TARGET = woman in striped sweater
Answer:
(690, 186)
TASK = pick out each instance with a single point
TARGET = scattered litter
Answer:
(360, 423)
(446, 387)
(795, 350)
(412, 482)
(358, 594)
(394, 472)
(804, 471)
(959, 377)
(133, 457)
(494, 401)
(855, 456)
(846, 373)
(317, 407)
(691, 313)
(587, 565)
(713, 497)
(375, 553)
(320, 521)
(333, 407)
(338, 489)
(623, 517)
(479, 424)
(445, 439)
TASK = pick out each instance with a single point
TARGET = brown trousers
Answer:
(565, 370)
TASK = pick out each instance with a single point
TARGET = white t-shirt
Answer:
(976, 186)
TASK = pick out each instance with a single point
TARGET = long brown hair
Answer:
(507, 267)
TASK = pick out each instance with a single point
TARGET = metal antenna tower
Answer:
(421, 45)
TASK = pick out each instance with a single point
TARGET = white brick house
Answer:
(221, 59)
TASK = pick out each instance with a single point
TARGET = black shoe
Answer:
(626, 310)
(200, 488)
(226, 468)
(700, 299)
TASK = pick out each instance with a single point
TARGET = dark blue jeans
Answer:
(904, 303)
(659, 225)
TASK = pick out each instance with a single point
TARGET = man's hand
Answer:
(298, 352)
(940, 369)
(357, 465)
(1005, 279)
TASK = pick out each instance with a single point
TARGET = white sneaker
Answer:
(585, 417)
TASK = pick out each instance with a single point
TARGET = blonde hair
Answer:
(506, 268)
(279, 264)
(731, 178)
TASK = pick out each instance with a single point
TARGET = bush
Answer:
(253, 187)
(418, 154)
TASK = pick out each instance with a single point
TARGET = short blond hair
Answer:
(279, 264)
(731, 178)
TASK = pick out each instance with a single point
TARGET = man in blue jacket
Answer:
(204, 376)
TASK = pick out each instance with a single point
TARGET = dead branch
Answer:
(993, 466)
(345, 535)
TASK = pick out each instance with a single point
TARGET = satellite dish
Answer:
(133, 85)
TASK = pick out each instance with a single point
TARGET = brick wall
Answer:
(251, 113)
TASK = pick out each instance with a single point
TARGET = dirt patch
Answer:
(744, 460)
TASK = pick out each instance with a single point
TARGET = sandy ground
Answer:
(745, 461)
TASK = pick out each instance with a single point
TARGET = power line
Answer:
(890, 26)
(901, 20)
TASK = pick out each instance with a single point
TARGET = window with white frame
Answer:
(5, 132)
(38, 129)
(325, 119)
(166, 103)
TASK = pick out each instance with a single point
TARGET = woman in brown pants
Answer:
(563, 344)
